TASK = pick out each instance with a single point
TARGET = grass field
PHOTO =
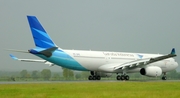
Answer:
(92, 90)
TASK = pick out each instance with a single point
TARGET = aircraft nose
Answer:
(176, 64)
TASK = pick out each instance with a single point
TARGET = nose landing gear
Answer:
(164, 76)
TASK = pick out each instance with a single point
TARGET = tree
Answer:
(78, 76)
(56, 76)
(67, 73)
(35, 75)
(23, 73)
(178, 75)
(46, 74)
(172, 74)
(85, 74)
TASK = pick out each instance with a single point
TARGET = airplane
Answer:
(98, 63)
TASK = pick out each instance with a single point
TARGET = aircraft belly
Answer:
(90, 63)
(88, 59)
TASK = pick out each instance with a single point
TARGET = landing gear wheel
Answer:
(98, 78)
(122, 77)
(118, 77)
(164, 78)
(126, 77)
(94, 77)
(90, 77)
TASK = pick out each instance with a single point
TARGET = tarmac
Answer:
(33, 82)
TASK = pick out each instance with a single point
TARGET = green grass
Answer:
(92, 90)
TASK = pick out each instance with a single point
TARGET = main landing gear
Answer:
(164, 76)
(94, 76)
(122, 77)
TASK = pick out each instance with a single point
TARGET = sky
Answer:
(143, 26)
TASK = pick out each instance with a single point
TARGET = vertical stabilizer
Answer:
(40, 36)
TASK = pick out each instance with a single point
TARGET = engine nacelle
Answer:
(103, 74)
(151, 71)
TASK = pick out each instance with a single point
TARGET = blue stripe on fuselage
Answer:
(61, 58)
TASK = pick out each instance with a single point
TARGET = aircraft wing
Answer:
(32, 60)
(143, 62)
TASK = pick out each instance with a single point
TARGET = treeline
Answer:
(43, 75)
(66, 74)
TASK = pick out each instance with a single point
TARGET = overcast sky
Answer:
(145, 26)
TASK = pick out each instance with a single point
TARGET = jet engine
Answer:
(151, 71)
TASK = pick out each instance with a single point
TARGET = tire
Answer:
(118, 77)
(126, 77)
(94, 77)
(122, 77)
(164, 78)
(98, 78)
(90, 77)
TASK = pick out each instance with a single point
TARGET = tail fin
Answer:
(40, 36)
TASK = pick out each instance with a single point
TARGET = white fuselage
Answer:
(92, 60)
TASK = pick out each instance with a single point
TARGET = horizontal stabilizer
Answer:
(13, 57)
(27, 60)
(32, 60)
(14, 50)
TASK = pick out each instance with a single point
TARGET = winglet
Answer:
(13, 57)
(173, 51)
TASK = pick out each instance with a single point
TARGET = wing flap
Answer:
(131, 64)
